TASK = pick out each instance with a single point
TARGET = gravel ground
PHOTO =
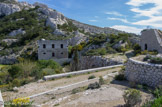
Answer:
(35, 87)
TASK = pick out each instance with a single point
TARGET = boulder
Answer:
(16, 32)
(59, 32)
(15, 89)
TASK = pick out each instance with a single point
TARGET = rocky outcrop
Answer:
(16, 32)
(7, 60)
(79, 37)
(59, 32)
(53, 17)
(120, 44)
(9, 41)
(94, 29)
(7, 9)
(12, 6)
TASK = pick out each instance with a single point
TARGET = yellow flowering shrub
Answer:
(21, 101)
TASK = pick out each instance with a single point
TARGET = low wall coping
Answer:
(145, 63)
(78, 72)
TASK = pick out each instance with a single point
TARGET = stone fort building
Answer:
(52, 49)
(151, 39)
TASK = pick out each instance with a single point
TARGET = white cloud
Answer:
(154, 21)
(96, 16)
(120, 19)
(154, 14)
(127, 29)
(113, 13)
(92, 20)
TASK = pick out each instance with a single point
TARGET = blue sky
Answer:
(127, 15)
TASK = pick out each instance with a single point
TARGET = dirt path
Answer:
(36, 88)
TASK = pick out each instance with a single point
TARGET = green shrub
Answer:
(137, 49)
(100, 51)
(92, 77)
(48, 64)
(158, 92)
(48, 71)
(155, 60)
(120, 77)
(101, 80)
(16, 82)
(15, 71)
(77, 90)
(69, 76)
(95, 85)
(145, 52)
(132, 97)
(156, 103)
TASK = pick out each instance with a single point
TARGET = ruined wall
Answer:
(149, 40)
(144, 73)
(47, 52)
(88, 62)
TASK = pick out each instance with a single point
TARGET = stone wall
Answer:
(151, 40)
(7, 60)
(88, 62)
(144, 73)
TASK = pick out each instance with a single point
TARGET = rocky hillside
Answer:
(22, 24)
(95, 29)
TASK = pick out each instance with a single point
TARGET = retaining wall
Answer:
(144, 73)
(50, 77)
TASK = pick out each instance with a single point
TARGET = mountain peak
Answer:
(9, 1)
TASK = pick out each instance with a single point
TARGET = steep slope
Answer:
(95, 29)
(24, 24)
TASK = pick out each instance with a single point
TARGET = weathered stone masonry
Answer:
(52, 49)
(144, 73)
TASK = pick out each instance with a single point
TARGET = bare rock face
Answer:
(53, 17)
(120, 44)
(59, 32)
(7, 9)
(25, 5)
(79, 37)
(16, 32)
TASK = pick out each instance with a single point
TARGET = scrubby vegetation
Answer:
(106, 43)
(27, 71)
(68, 27)
(91, 77)
(19, 102)
(157, 102)
(120, 76)
(100, 51)
(95, 85)
(153, 59)
(132, 98)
